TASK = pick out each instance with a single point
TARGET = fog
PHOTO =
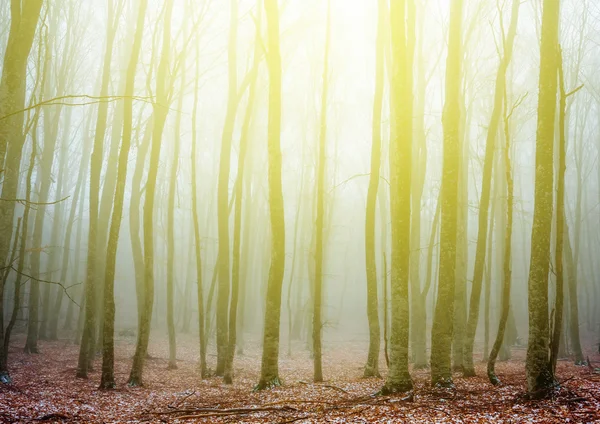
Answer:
(196, 105)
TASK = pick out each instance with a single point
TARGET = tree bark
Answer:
(539, 379)
(270, 368)
(442, 330)
(159, 113)
(372, 365)
(399, 379)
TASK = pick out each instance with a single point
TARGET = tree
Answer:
(507, 257)
(86, 350)
(108, 378)
(270, 368)
(398, 379)
(562, 234)
(171, 226)
(317, 325)
(239, 193)
(197, 240)
(539, 377)
(372, 365)
(24, 17)
(484, 203)
(442, 330)
(159, 117)
(223, 192)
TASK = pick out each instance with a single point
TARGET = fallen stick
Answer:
(328, 386)
(231, 411)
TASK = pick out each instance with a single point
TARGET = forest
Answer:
(299, 211)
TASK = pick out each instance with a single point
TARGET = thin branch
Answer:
(59, 101)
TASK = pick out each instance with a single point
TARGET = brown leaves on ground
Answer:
(45, 390)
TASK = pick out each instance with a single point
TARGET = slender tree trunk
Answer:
(270, 358)
(76, 260)
(507, 259)
(399, 379)
(223, 194)
(197, 240)
(66, 251)
(317, 325)
(239, 192)
(372, 365)
(108, 375)
(419, 308)
(484, 203)
(160, 112)
(488, 276)
(171, 226)
(442, 331)
(539, 379)
(135, 217)
(87, 347)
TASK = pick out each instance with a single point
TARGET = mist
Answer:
(370, 198)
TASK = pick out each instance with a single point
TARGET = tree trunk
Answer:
(539, 379)
(24, 16)
(171, 225)
(86, 349)
(223, 193)
(442, 330)
(484, 203)
(239, 193)
(159, 113)
(399, 379)
(507, 259)
(317, 325)
(372, 365)
(108, 378)
(270, 367)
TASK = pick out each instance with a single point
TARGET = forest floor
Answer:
(45, 390)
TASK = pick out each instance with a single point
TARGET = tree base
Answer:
(135, 382)
(396, 388)
(443, 383)
(469, 371)
(545, 385)
(5, 378)
(420, 366)
(371, 372)
(31, 349)
(172, 366)
(494, 378)
(107, 385)
(268, 384)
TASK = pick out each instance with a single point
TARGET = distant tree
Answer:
(223, 291)
(484, 202)
(317, 325)
(87, 347)
(171, 221)
(270, 367)
(507, 254)
(197, 239)
(442, 330)
(539, 377)
(239, 194)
